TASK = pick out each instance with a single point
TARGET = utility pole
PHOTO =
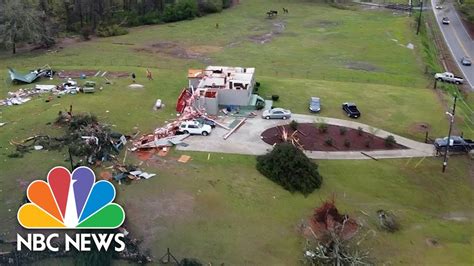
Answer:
(419, 18)
(451, 122)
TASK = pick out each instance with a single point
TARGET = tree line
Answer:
(39, 22)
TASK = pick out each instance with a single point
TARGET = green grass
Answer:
(223, 210)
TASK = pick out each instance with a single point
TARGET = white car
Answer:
(195, 128)
(439, 7)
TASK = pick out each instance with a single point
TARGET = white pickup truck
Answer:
(448, 77)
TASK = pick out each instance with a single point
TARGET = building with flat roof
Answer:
(222, 85)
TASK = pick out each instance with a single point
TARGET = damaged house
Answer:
(219, 87)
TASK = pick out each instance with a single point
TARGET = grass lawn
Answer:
(223, 210)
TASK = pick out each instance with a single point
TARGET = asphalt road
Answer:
(459, 42)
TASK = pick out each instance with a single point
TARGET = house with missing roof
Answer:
(223, 87)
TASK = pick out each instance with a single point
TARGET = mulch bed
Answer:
(312, 139)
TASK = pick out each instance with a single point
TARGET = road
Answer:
(459, 42)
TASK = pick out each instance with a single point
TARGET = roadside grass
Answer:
(222, 210)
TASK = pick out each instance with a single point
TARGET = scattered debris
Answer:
(85, 137)
(129, 172)
(2, 124)
(410, 46)
(158, 104)
(184, 158)
(136, 86)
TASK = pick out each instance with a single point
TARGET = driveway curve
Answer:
(246, 140)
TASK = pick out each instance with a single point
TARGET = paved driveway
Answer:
(246, 140)
(459, 42)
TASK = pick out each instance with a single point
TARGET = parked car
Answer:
(445, 21)
(314, 104)
(466, 60)
(448, 77)
(193, 127)
(456, 144)
(439, 7)
(276, 113)
(351, 110)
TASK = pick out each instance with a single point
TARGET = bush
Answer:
(184, 9)
(86, 33)
(112, 30)
(360, 131)
(210, 6)
(323, 127)
(347, 143)
(294, 125)
(275, 98)
(390, 141)
(367, 143)
(289, 167)
(342, 130)
(329, 141)
(226, 3)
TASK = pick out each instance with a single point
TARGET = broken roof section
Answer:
(44, 71)
(224, 77)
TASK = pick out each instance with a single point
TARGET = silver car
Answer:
(276, 113)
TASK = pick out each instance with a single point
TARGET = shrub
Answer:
(226, 3)
(289, 167)
(390, 141)
(347, 143)
(329, 141)
(184, 9)
(294, 125)
(342, 130)
(275, 98)
(367, 143)
(86, 33)
(323, 127)
(112, 30)
(210, 6)
(360, 131)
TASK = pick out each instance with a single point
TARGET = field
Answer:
(222, 209)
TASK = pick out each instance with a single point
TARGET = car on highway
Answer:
(193, 127)
(276, 113)
(456, 144)
(466, 61)
(448, 77)
(314, 104)
(445, 21)
(351, 110)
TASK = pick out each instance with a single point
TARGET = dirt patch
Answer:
(321, 24)
(458, 216)
(431, 242)
(174, 49)
(419, 127)
(359, 65)
(74, 74)
(277, 28)
(312, 139)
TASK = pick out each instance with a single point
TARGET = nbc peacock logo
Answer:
(71, 201)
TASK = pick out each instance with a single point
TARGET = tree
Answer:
(19, 23)
(289, 167)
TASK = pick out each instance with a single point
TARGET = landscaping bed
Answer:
(314, 137)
